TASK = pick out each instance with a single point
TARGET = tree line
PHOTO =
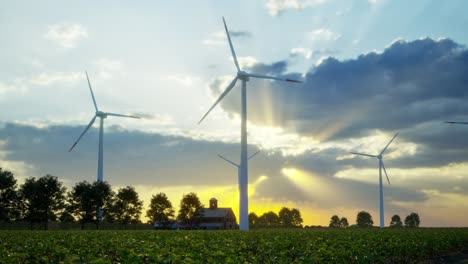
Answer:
(364, 219)
(45, 199)
(286, 217)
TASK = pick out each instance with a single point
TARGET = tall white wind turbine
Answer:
(102, 116)
(381, 166)
(244, 77)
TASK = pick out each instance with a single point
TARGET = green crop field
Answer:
(257, 246)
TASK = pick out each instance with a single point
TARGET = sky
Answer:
(369, 69)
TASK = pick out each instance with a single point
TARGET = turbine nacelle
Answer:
(101, 114)
(243, 75)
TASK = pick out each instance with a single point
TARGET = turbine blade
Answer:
(253, 155)
(237, 165)
(452, 122)
(383, 166)
(113, 114)
(362, 154)
(82, 134)
(388, 144)
(230, 45)
(230, 86)
(91, 90)
(272, 78)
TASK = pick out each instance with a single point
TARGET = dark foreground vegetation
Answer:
(257, 246)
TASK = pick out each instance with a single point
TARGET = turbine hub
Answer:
(243, 75)
(101, 114)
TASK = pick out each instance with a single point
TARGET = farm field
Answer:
(256, 246)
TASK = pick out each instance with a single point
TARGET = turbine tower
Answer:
(102, 116)
(381, 166)
(238, 166)
(244, 77)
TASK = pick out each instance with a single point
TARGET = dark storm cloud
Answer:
(411, 87)
(408, 83)
(136, 158)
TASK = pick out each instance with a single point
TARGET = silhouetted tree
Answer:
(9, 210)
(81, 203)
(253, 219)
(396, 221)
(127, 206)
(104, 197)
(364, 219)
(412, 220)
(85, 199)
(66, 216)
(296, 218)
(334, 222)
(344, 222)
(160, 209)
(189, 211)
(42, 199)
(269, 219)
(285, 217)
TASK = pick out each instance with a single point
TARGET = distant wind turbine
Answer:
(381, 165)
(102, 116)
(238, 166)
(244, 77)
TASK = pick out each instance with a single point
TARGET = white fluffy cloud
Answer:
(305, 52)
(66, 34)
(276, 7)
(108, 68)
(52, 77)
(323, 35)
(185, 80)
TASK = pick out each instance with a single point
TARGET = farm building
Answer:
(217, 218)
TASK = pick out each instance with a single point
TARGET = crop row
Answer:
(258, 246)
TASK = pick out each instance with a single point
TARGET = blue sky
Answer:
(370, 68)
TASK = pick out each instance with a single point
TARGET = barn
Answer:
(214, 218)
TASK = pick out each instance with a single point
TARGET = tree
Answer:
(285, 217)
(344, 222)
(160, 209)
(85, 199)
(104, 199)
(269, 219)
(290, 217)
(396, 221)
(127, 206)
(42, 199)
(81, 203)
(189, 211)
(66, 216)
(8, 197)
(253, 219)
(296, 218)
(412, 220)
(334, 222)
(364, 219)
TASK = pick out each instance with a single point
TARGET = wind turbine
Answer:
(238, 166)
(381, 165)
(243, 179)
(102, 116)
